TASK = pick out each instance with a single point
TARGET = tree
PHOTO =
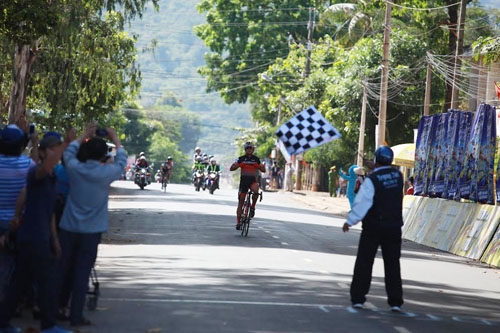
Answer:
(42, 19)
(245, 37)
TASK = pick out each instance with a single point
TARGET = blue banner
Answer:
(438, 156)
(483, 189)
(426, 129)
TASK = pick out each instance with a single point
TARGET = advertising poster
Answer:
(451, 158)
(447, 224)
(468, 174)
(438, 155)
(422, 150)
(475, 235)
(483, 189)
(492, 254)
(421, 223)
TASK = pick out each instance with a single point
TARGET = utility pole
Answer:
(382, 113)
(427, 99)
(310, 29)
(361, 140)
(458, 54)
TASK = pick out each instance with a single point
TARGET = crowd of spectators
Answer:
(53, 210)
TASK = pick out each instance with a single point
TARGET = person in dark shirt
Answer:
(249, 165)
(37, 240)
(379, 204)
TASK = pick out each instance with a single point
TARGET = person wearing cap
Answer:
(85, 215)
(333, 178)
(379, 205)
(37, 240)
(13, 170)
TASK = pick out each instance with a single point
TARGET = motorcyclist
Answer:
(198, 165)
(213, 167)
(197, 153)
(141, 163)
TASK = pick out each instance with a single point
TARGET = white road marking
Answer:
(324, 309)
(203, 301)
(276, 237)
(401, 329)
(284, 243)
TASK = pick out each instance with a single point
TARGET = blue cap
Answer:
(12, 135)
(50, 139)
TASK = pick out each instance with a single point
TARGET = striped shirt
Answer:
(13, 171)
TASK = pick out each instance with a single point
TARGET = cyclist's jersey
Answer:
(249, 166)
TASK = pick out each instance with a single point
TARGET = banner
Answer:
(306, 130)
(486, 156)
(438, 156)
(426, 129)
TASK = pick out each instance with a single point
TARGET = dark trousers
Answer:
(389, 240)
(79, 252)
(35, 264)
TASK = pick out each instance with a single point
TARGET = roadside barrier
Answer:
(466, 229)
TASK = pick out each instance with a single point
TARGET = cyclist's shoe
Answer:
(252, 212)
(238, 226)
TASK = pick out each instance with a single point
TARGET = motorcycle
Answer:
(142, 178)
(198, 180)
(212, 181)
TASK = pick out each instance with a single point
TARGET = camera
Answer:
(102, 132)
(32, 129)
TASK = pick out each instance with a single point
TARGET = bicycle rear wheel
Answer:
(245, 216)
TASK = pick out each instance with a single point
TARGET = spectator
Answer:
(360, 178)
(333, 178)
(351, 183)
(85, 216)
(409, 190)
(275, 169)
(13, 171)
(289, 177)
(37, 240)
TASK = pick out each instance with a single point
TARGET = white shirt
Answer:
(363, 201)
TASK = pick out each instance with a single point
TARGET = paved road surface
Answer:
(173, 262)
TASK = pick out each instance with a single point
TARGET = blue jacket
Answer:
(351, 183)
(86, 209)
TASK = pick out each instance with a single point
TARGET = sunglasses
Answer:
(248, 148)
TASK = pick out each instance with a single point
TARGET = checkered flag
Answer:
(306, 130)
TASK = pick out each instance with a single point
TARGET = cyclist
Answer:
(250, 165)
(166, 168)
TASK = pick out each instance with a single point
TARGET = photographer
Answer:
(85, 216)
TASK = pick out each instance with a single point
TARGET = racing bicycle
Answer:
(164, 182)
(245, 212)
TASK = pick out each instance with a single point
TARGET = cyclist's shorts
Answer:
(246, 182)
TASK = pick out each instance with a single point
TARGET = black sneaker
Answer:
(238, 226)
(252, 212)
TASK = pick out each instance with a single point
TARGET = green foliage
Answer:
(244, 37)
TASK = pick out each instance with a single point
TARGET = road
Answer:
(173, 262)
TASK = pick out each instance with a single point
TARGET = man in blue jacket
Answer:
(85, 215)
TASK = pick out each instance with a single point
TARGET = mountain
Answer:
(171, 68)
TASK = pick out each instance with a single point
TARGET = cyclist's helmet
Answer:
(197, 148)
(248, 144)
(384, 155)
(198, 159)
(213, 160)
(142, 154)
(169, 158)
